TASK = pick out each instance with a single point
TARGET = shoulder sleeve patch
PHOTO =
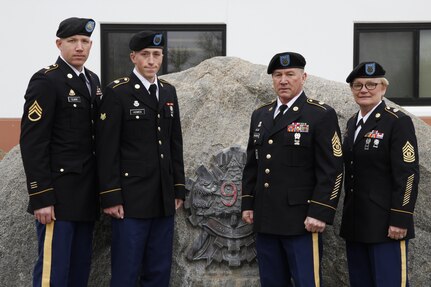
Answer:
(119, 82)
(320, 104)
(394, 111)
(50, 68)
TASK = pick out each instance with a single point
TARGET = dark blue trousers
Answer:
(378, 264)
(141, 249)
(64, 254)
(286, 259)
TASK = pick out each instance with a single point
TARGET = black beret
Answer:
(286, 60)
(366, 70)
(75, 26)
(146, 39)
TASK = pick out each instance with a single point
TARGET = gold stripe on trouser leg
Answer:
(47, 255)
(403, 263)
(316, 260)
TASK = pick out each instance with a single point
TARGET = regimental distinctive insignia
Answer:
(103, 116)
(98, 92)
(136, 103)
(285, 60)
(408, 153)
(34, 112)
(370, 69)
(171, 108)
(157, 39)
(337, 187)
(408, 192)
(336, 145)
(72, 93)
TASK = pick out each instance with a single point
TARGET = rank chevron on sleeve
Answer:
(35, 112)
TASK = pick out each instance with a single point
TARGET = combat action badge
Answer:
(34, 112)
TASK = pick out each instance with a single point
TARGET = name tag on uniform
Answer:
(137, 112)
(74, 99)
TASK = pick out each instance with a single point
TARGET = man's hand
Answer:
(247, 216)
(45, 214)
(116, 211)
(178, 203)
(396, 232)
(314, 225)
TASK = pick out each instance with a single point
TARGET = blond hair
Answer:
(385, 81)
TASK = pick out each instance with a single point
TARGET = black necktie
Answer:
(281, 109)
(82, 77)
(360, 123)
(84, 80)
(357, 129)
(153, 96)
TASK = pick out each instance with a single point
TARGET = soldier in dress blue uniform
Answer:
(381, 183)
(140, 156)
(292, 178)
(58, 154)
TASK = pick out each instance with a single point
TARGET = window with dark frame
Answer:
(185, 46)
(404, 50)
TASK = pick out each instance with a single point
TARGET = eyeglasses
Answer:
(369, 86)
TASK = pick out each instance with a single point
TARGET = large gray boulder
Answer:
(216, 98)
